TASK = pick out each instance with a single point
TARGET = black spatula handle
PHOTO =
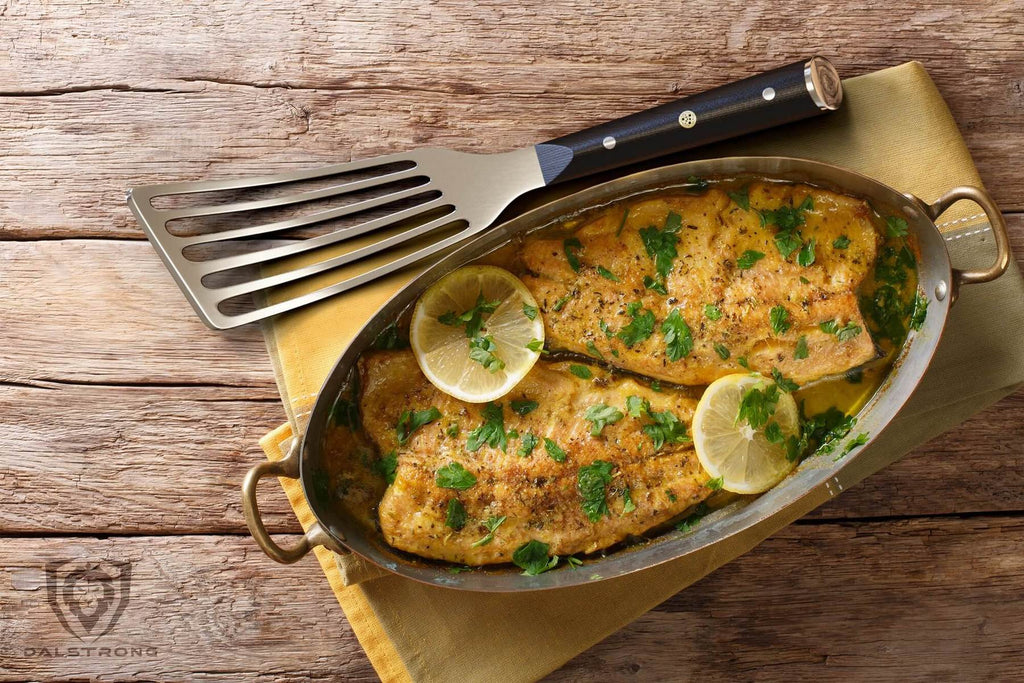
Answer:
(790, 93)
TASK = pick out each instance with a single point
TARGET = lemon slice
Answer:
(744, 457)
(482, 359)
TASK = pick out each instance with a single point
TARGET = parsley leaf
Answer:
(655, 285)
(390, 338)
(787, 218)
(530, 311)
(801, 348)
(523, 406)
(491, 432)
(640, 328)
(481, 350)
(848, 332)
(806, 256)
(699, 513)
(829, 327)
(661, 244)
(895, 226)
(741, 197)
(411, 420)
(841, 242)
(627, 501)
(678, 339)
(387, 466)
(594, 351)
(779, 319)
(748, 258)
(784, 383)
(607, 274)
(492, 524)
(856, 442)
(742, 360)
(636, 405)
(622, 223)
(456, 517)
(600, 415)
(560, 303)
(572, 246)
(345, 413)
(533, 558)
(591, 481)
(712, 312)
(454, 476)
(722, 350)
(787, 242)
(715, 484)
(554, 450)
(581, 371)
(773, 432)
(527, 444)
(604, 328)
(536, 345)
(919, 310)
(472, 319)
(666, 429)
(757, 405)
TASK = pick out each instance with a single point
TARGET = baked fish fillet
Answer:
(727, 309)
(538, 496)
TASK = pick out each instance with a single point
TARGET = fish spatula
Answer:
(236, 246)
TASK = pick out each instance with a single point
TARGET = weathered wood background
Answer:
(126, 425)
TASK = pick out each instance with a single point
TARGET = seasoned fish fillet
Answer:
(589, 308)
(537, 495)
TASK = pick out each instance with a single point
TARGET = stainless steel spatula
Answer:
(235, 243)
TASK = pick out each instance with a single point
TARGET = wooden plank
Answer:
(159, 460)
(85, 121)
(924, 598)
(108, 312)
(892, 601)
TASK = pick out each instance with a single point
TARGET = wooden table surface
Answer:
(127, 426)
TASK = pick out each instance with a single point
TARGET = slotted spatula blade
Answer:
(238, 248)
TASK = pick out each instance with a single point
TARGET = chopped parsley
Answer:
(787, 217)
(722, 350)
(757, 405)
(491, 524)
(523, 406)
(742, 360)
(699, 513)
(536, 345)
(572, 246)
(741, 198)
(918, 311)
(656, 385)
(787, 241)
(456, 517)
(636, 406)
(748, 258)
(627, 501)
(561, 302)
(640, 327)
(533, 558)
(387, 466)
(454, 476)
(594, 351)
(481, 350)
(604, 328)
(622, 223)
(573, 562)
(841, 242)
(390, 338)
(779, 319)
(661, 244)
(784, 383)
(527, 444)
(667, 428)
(806, 256)
(895, 226)
(581, 371)
(411, 420)
(491, 432)
(592, 481)
(554, 451)
(715, 484)
(678, 339)
(655, 285)
(843, 333)
(801, 348)
(773, 432)
(607, 274)
(345, 413)
(712, 312)
(473, 319)
(600, 415)
(530, 311)
(856, 442)
(452, 429)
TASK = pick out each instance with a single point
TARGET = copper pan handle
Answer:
(995, 219)
(286, 467)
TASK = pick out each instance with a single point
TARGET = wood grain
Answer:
(92, 108)
(880, 600)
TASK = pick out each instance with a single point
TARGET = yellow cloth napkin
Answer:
(895, 127)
